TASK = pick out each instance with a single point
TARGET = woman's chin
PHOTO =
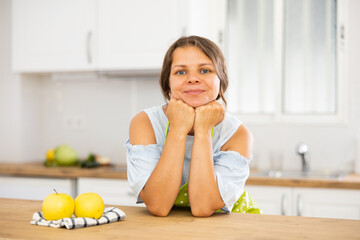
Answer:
(195, 104)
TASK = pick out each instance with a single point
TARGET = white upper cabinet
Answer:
(106, 35)
(134, 35)
(207, 18)
(51, 36)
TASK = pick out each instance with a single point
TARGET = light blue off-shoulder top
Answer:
(231, 168)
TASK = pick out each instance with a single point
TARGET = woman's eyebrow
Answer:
(201, 64)
(175, 66)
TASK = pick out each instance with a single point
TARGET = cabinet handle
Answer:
(88, 47)
(283, 204)
(299, 205)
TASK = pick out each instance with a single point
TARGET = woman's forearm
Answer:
(204, 195)
(162, 187)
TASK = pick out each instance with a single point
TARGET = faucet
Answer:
(302, 150)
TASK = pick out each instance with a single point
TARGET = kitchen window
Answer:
(286, 60)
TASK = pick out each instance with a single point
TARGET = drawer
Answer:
(34, 188)
(113, 191)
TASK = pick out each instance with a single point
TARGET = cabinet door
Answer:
(207, 18)
(34, 188)
(134, 35)
(113, 191)
(272, 200)
(327, 203)
(56, 35)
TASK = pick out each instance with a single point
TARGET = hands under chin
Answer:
(180, 115)
(207, 116)
(202, 119)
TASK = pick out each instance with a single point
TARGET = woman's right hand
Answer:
(180, 115)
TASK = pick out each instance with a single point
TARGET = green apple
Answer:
(57, 206)
(65, 155)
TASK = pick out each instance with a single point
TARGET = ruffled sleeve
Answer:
(232, 171)
(141, 161)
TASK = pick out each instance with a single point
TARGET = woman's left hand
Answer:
(208, 116)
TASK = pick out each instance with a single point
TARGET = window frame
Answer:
(279, 116)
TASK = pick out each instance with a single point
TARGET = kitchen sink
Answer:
(338, 175)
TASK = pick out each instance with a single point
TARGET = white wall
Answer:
(10, 91)
(34, 111)
(104, 108)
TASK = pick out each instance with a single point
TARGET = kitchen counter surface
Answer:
(351, 181)
(180, 224)
(37, 169)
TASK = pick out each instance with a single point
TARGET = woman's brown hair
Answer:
(210, 49)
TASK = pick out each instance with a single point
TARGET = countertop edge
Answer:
(37, 169)
(304, 183)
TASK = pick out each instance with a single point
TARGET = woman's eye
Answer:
(180, 72)
(204, 71)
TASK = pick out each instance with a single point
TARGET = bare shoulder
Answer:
(141, 131)
(241, 142)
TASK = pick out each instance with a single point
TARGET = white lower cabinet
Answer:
(113, 191)
(307, 202)
(272, 200)
(328, 203)
(34, 188)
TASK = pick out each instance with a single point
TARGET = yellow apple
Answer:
(57, 206)
(89, 205)
(50, 155)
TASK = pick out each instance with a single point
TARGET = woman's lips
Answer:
(194, 92)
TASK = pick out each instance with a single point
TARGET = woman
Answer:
(191, 139)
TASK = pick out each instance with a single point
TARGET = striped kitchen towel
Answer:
(111, 214)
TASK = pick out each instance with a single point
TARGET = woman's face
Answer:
(193, 78)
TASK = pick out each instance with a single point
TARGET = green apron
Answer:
(245, 204)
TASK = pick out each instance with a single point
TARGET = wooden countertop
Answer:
(37, 169)
(351, 181)
(180, 224)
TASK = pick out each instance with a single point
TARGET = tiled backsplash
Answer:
(94, 115)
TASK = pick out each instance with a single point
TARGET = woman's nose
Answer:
(193, 78)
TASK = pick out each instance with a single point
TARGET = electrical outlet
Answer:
(74, 122)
